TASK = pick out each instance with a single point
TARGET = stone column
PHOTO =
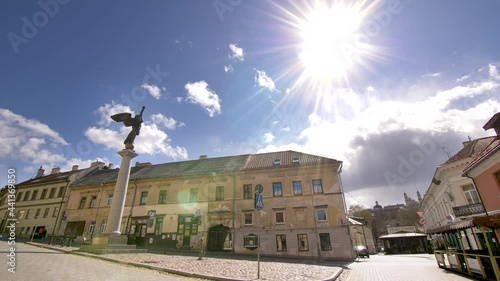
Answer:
(118, 202)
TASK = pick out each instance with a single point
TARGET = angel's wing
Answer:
(126, 118)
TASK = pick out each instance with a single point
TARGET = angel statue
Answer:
(128, 121)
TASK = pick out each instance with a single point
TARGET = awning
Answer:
(402, 235)
(492, 221)
(462, 224)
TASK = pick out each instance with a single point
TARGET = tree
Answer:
(361, 211)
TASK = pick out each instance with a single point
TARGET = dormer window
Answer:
(277, 162)
(295, 160)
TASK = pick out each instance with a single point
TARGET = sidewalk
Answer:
(218, 266)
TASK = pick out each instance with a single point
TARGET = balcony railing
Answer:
(467, 210)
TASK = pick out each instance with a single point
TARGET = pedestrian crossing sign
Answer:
(259, 201)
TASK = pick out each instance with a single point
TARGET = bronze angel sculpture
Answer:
(129, 121)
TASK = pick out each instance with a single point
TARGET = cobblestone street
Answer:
(79, 266)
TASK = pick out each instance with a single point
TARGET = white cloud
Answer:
(151, 140)
(228, 68)
(463, 78)
(384, 129)
(29, 140)
(236, 52)
(268, 137)
(263, 80)
(12, 122)
(153, 90)
(199, 93)
(169, 123)
(106, 111)
(435, 74)
(493, 71)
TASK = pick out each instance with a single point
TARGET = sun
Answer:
(327, 33)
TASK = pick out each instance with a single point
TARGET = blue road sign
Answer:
(259, 201)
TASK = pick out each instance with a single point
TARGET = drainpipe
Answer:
(478, 193)
(345, 211)
(127, 228)
(97, 212)
(233, 229)
(59, 212)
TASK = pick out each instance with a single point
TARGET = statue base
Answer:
(110, 244)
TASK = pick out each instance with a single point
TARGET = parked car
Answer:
(362, 251)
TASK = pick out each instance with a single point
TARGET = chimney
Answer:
(110, 166)
(40, 172)
(74, 168)
(203, 157)
(55, 170)
(493, 123)
(97, 163)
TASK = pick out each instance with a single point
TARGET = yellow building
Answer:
(40, 202)
(178, 204)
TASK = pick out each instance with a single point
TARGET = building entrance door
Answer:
(138, 231)
(186, 226)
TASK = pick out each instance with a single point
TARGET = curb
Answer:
(161, 269)
(333, 277)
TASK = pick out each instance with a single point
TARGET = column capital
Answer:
(127, 153)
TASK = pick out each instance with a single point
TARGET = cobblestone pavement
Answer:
(37, 264)
(218, 268)
(421, 267)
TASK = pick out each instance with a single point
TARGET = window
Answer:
(82, 202)
(470, 194)
(44, 193)
(295, 160)
(302, 240)
(92, 201)
(144, 197)
(103, 226)
(248, 218)
(219, 193)
(52, 192)
(26, 195)
(317, 186)
(28, 213)
(193, 195)
(109, 200)
(20, 214)
(279, 217)
(277, 162)
(56, 210)
(61, 191)
(247, 191)
(37, 213)
(277, 190)
(46, 212)
(19, 195)
(162, 198)
(297, 187)
(91, 227)
(321, 215)
(34, 194)
(325, 244)
(158, 226)
(281, 243)
(250, 241)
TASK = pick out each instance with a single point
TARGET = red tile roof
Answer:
(471, 149)
(493, 145)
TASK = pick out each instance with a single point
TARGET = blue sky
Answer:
(388, 87)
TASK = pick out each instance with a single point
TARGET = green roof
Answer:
(207, 166)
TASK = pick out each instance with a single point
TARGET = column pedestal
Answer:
(112, 241)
